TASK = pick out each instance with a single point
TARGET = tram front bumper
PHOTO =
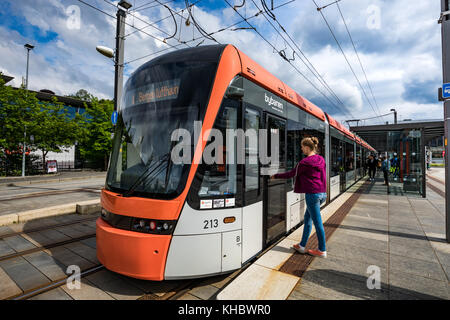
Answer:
(134, 254)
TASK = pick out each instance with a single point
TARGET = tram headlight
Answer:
(152, 226)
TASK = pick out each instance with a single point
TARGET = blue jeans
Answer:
(312, 214)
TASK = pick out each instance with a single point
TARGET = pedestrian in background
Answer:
(310, 178)
(384, 167)
(372, 164)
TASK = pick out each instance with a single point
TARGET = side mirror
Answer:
(234, 92)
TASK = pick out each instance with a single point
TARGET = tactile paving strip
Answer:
(298, 263)
(436, 189)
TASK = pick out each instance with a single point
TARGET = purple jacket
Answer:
(311, 175)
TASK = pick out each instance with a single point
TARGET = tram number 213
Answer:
(213, 223)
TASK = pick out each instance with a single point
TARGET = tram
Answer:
(163, 219)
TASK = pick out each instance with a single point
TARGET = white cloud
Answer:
(404, 51)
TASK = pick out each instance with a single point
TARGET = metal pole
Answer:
(25, 131)
(445, 34)
(118, 76)
(395, 117)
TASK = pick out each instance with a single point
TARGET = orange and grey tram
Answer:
(165, 219)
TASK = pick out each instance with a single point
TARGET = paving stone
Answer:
(259, 283)
(71, 231)
(354, 253)
(87, 291)
(204, 292)
(91, 242)
(347, 268)
(188, 296)
(5, 230)
(37, 239)
(278, 255)
(355, 238)
(365, 233)
(46, 264)
(217, 281)
(25, 275)
(413, 285)
(428, 269)
(54, 294)
(330, 286)
(395, 295)
(158, 288)
(83, 251)
(8, 287)
(410, 241)
(425, 253)
(5, 248)
(55, 236)
(297, 295)
(67, 258)
(114, 285)
(18, 243)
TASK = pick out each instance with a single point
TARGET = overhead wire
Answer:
(309, 65)
(345, 57)
(273, 47)
(357, 55)
(162, 19)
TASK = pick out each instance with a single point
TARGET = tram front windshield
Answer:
(158, 99)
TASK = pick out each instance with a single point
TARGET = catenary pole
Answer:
(445, 36)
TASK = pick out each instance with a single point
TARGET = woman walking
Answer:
(310, 178)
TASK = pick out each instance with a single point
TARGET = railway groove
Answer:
(44, 228)
(45, 247)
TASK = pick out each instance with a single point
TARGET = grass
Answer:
(442, 165)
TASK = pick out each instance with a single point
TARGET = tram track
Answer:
(47, 193)
(44, 228)
(45, 247)
(54, 284)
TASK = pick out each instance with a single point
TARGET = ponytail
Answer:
(311, 142)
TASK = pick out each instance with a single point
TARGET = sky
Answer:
(397, 41)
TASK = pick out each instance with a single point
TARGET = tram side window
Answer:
(358, 156)
(297, 132)
(252, 120)
(336, 157)
(349, 157)
(219, 178)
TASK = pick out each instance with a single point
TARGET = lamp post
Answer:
(29, 47)
(119, 52)
(395, 116)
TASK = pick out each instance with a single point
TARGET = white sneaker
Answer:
(299, 248)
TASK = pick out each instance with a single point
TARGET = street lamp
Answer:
(125, 4)
(395, 116)
(29, 47)
(119, 52)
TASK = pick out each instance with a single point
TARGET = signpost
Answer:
(444, 20)
(114, 118)
(446, 90)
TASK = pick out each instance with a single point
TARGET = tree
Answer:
(18, 110)
(55, 129)
(96, 144)
(82, 95)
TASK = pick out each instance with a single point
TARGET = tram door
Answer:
(342, 173)
(274, 193)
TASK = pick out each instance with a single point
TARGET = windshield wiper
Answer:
(146, 174)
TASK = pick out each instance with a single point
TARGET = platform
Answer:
(369, 232)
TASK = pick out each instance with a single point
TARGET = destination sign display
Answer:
(154, 92)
